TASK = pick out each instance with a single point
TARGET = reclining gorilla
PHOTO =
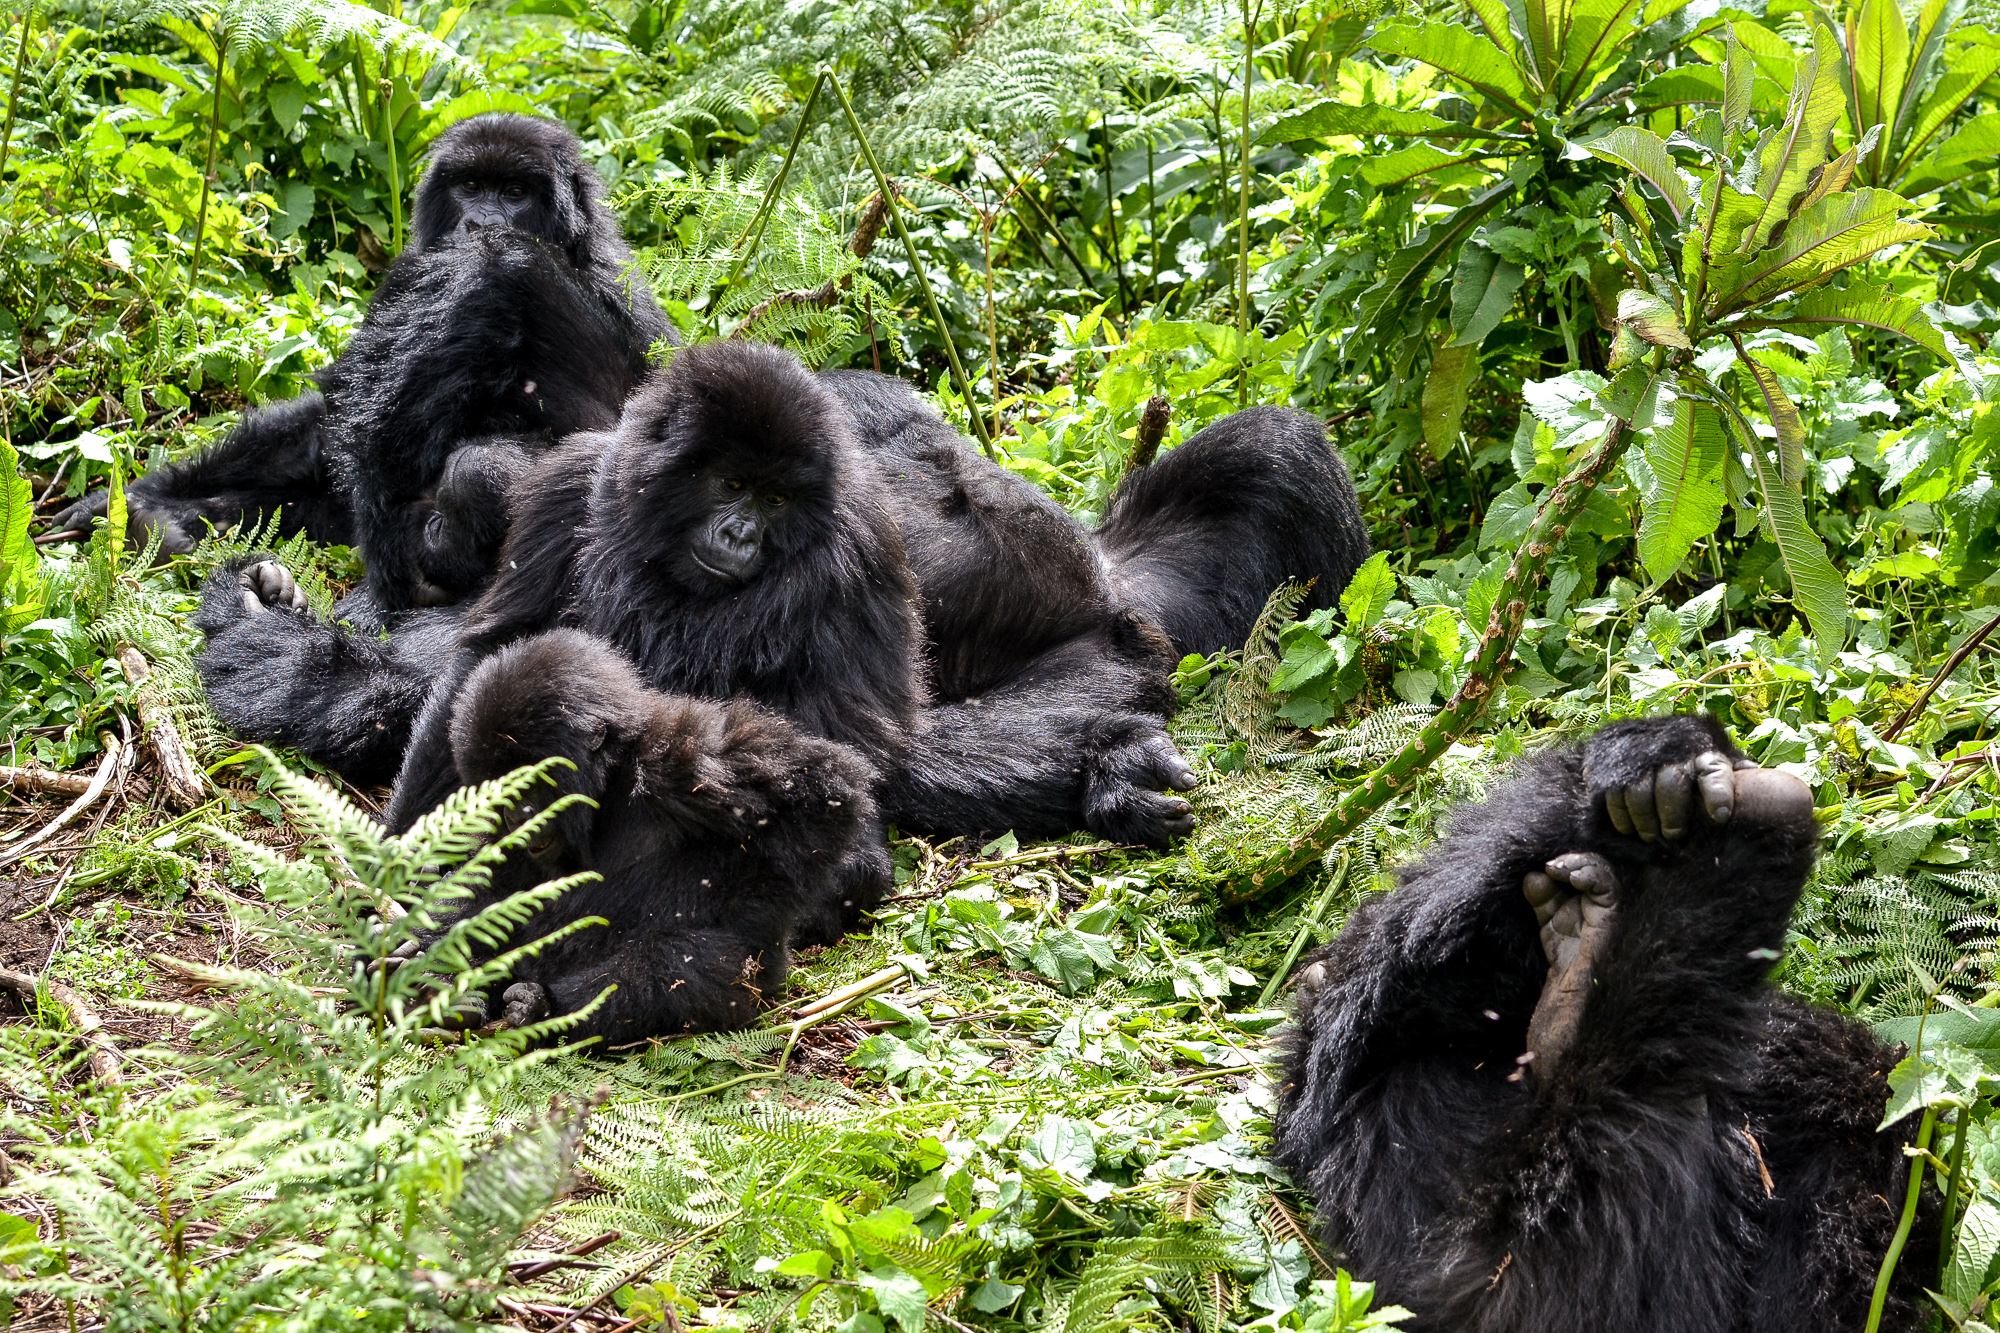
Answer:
(508, 324)
(1546, 1087)
(730, 544)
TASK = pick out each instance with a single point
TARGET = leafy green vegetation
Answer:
(1655, 335)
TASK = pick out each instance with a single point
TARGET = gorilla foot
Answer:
(1575, 900)
(1660, 807)
(1128, 797)
(525, 1002)
(268, 585)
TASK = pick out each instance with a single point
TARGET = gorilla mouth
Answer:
(727, 575)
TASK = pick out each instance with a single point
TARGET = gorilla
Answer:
(508, 324)
(1545, 1085)
(730, 539)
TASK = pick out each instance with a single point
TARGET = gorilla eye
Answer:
(733, 485)
(515, 191)
(774, 500)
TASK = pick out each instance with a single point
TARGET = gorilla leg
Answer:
(273, 462)
(717, 828)
(1529, 1088)
(1200, 539)
(275, 672)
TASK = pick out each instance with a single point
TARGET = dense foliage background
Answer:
(1480, 240)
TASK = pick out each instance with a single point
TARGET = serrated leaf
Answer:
(1975, 145)
(1465, 55)
(1818, 592)
(1482, 293)
(1784, 417)
(1878, 45)
(1831, 235)
(20, 562)
(1800, 146)
(1336, 119)
(1686, 86)
(1367, 594)
(1873, 307)
(1407, 164)
(898, 1295)
(1405, 271)
(1453, 369)
(1973, 1253)
(1739, 76)
(1643, 152)
(1651, 318)
(1971, 67)
(1685, 502)
(1590, 38)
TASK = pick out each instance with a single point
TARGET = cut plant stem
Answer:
(958, 379)
(1483, 677)
(177, 770)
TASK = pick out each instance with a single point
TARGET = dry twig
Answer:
(104, 1058)
(182, 778)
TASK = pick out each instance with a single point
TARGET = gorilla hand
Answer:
(268, 586)
(1127, 790)
(1660, 806)
(177, 535)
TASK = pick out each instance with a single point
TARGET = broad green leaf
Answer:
(1724, 211)
(1973, 147)
(1406, 269)
(1598, 32)
(1685, 503)
(1977, 1245)
(1836, 175)
(1471, 59)
(1878, 44)
(1929, 32)
(1838, 231)
(1969, 71)
(1492, 16)
(1643, 152)
(1407, 164)
(1680, 87)
(898, 1295)
(1545, 22)
(1651, 318)
(115, 516)
(1335, 119)
(1482, 292)
(1784, 417)
(1799, 148)
(1453, 368)
(1817, 590)
(1739, 76)
(1977, 1031)
(1368, 592)
(1873, 307)
(20, 563)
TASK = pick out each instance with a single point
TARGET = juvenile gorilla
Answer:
(1546, 1086)
(508, 323)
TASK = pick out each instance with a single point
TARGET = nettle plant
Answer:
(1736, 232)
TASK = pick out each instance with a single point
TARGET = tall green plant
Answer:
(1907, 82)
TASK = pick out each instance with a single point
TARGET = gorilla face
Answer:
(501, 170)
(730, 545)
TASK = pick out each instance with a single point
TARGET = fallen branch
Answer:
(104, 1058)
(43, 780)
(183, 779)
(525, 1269)
(113, 753)
(1965, 650)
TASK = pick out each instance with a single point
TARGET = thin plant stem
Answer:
(765, 209)
(1948, 1214)
(395, 176)
(14, 93)
(1910, 1198)
(992, 319)
(221, 39)
(1243, 199)
(1048, 224)
(958, 379)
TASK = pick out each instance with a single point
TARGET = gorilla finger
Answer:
(1168, 765)
(1568, 916)
(1614, 805)
(1673, 798)
(1585, 871)
(78, 517)
(1639, 804)
(526, 1002)
(1717, 779)
(1541, 891)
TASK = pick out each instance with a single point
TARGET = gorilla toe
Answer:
(1127, 796)
(268, 585)
(526, 1002)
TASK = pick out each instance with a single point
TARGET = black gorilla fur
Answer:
(508, 323)
(1621, 1182)
(718, 828)
(826, 634)
(1199, 539)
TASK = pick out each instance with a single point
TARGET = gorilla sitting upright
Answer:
(507, 324)
(1546, 1087)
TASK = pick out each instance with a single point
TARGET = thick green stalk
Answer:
(1503, 628)
(14, 93)
(1243, 197)
(1111, 217)
(395, 174)
(1910, 1198)
(958, 379)
(208, 177)
(1946, 1236)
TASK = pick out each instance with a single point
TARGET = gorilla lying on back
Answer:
(508, 323)
(1546, 1087)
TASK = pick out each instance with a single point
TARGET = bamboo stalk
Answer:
(183, 779)
(1503, 628)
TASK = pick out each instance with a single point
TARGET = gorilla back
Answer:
(1545, 1086)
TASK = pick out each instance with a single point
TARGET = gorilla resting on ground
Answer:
(1546, 1087)
(507, 324)
(729, 540)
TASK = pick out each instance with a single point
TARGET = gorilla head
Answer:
(736, 463)
(522, 172)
